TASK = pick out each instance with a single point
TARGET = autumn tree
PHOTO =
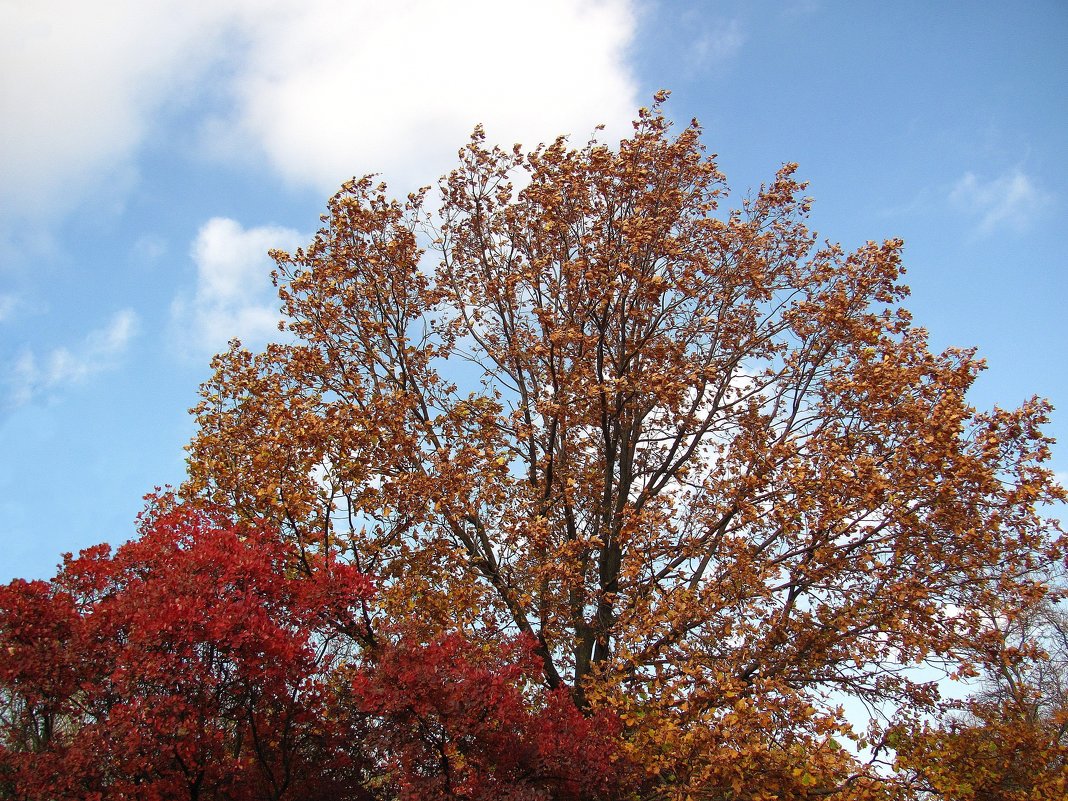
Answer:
(454, 720)
(707, 464)
(191, 663)
(1009, 741)
(207, 660)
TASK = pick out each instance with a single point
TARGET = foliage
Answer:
(1010, 741)
(204, 661)
(709, 466)
(189, 664)
(993, 753)
(457, 722)
(648, 489)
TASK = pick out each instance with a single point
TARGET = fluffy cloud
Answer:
(320, 89)
(332, 89)
(233, 296)
(34, 376)
(81, 81)
(1011, 200)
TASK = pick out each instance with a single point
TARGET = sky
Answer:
(152, 151)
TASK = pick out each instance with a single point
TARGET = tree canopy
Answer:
(705, 466)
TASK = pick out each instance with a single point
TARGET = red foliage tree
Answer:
(207, 661)
(192, 663)
(459, 720)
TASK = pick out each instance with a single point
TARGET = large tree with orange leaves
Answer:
(709, 465)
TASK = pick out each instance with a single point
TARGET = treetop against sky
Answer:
(153, 152)
(702, 482)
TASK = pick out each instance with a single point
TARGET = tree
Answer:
(191, 663)
(456, 721)
(1010, 741)
(708, 466)
(205, 660)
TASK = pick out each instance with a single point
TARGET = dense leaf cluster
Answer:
(200, 662)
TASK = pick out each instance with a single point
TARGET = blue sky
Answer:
(151, 151)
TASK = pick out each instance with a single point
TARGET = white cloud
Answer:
(792, 9)
(7, 306)
(332, 89)
(1009, 201)
(81, 81)
(234, 296)
(717, 44)
(321, 89)
(100, 351)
